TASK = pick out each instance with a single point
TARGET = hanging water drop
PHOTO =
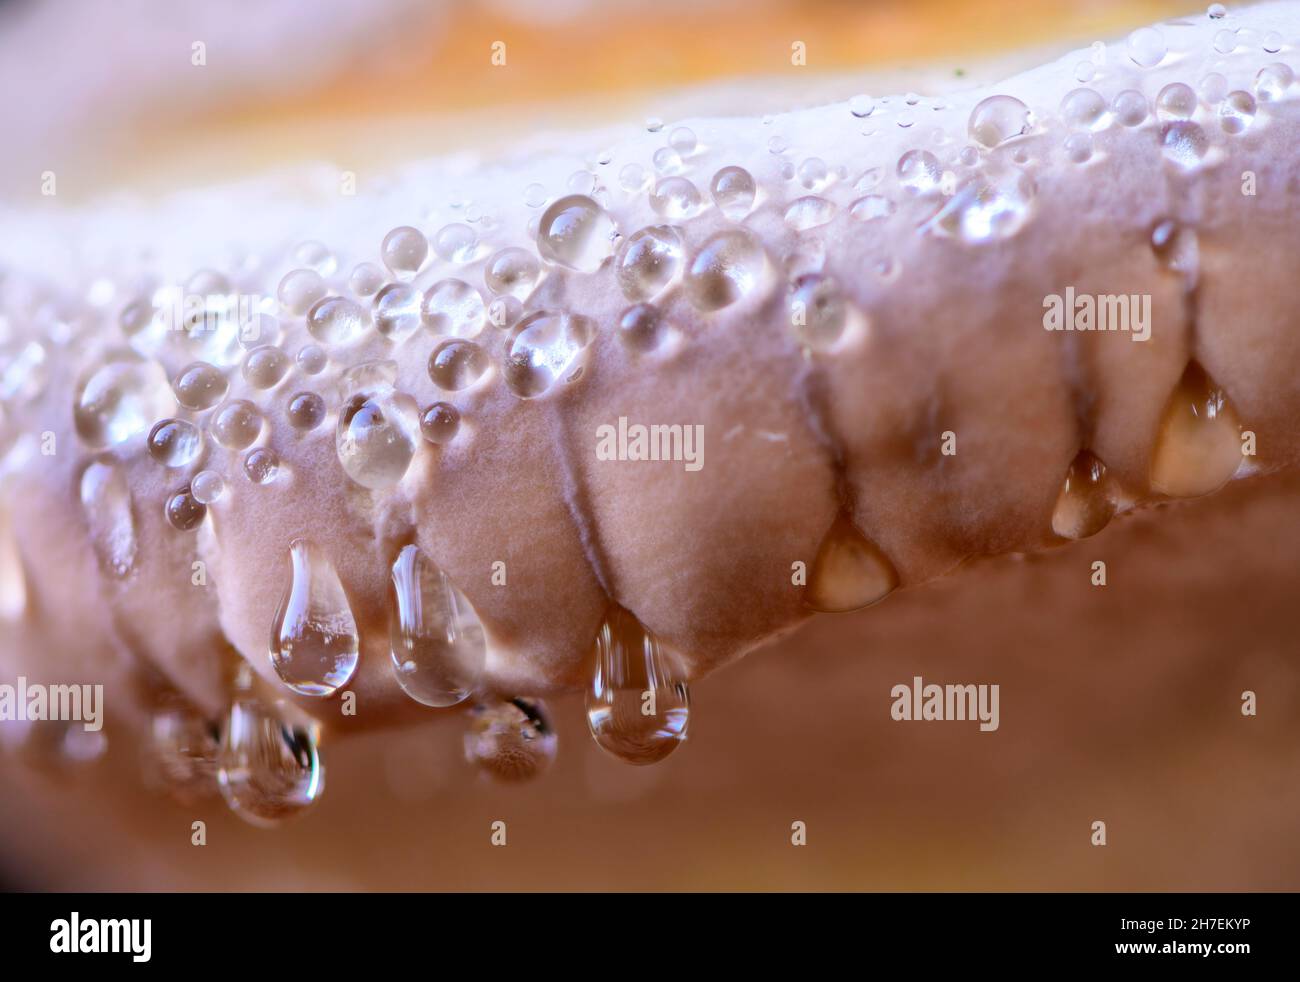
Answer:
(1084, 505)
(106, 501)
(437, 642)
(511, 740)
(849, 571)
(638, 703)
(268, 769)
(314, 641)
(1198, 447)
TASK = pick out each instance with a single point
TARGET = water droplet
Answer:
(268, 770)
(366, 279)
(871, 208)
(682, 139)
(638, 704)
(457, 364)
(1272, 82)
(1085, 71)
(733, 191)
(339, 320)
(641, 327)
(1272, 42)
(207, 487)
(653, 124)
(727, 267)
(534, 196)
(818, 313)
(199, 386)
(648, 261)
(1198, 447)
(312, 359)
(300, 289)
(632, 178)
(396, 311)
(456, 243)
(1078, 147)
(919, 171)
(261, 465)
(849, 571)
(437, 643)
(1084, 505)
(1225, 42)
(675, 197)
(1085, 109)
(175, 442)
(1216, 11)
(1176, 101)
(106, 499)
(997, 119)
(376, 437)
(314, 641)
(511, 740)
(777, 144)
(1130, 107)
(13, 577)
(404, 250)
(582, 182)
(861, 106)
(813, 173)
(547, 349)
(576, 232)
(306, 411)
(986, 207)
(265, 367)
(454, 308)
(1184, 143)
(119, 400)
(809, 212)
(236, 424)
(1237, 112)
(184, 511)
(666, 160)
(1147, 47)
(513, 272)
(440, 423)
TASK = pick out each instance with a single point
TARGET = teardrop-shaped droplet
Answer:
(849, 571)
(376, 437)
(106, 499)
(1198, 448)
(511, 740)
(268, 769)
(1084, 505)
(438, 647)
(314, 641)
(638, 704)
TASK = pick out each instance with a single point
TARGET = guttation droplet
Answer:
(511, 740)
(314, 640)
(648, 261)
(175, 442)
(106, 499)
(119, 400)
(728, 267)
(849, 571)
(1085, 504)
(437, 642)
(376, 437)
(997, 119)
(546, 349)
(268, 769)
(818, 313)
(638, 703)
(576, 232)
(733, 191)
(1198, 446)
(182, 751)
(457, 364)
(184, 511)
